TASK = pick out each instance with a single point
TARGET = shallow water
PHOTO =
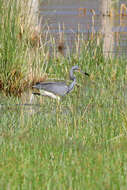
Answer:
(66, 16)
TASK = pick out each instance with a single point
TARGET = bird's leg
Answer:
(31, 98)
(58, 111)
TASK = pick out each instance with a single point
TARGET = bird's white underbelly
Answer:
(50, 94)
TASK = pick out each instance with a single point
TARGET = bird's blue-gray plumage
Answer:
(57, 88)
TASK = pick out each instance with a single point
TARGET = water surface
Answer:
(69, 17)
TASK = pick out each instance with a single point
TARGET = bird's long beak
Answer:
(83, 72)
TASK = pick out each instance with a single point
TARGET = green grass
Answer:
(79, 143)
(19, 51)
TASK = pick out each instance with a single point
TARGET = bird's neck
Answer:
(71, 86)
(72, 77)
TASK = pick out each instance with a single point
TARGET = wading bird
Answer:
(57, 89)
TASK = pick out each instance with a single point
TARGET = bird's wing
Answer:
(58, 88)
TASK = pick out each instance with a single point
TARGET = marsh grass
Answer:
(78, 143)
(19, 49)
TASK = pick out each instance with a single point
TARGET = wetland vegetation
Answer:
(77, 144)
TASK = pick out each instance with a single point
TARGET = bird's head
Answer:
(76, 68)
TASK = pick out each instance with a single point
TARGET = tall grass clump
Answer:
(17, 51)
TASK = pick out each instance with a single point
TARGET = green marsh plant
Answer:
(19, 48)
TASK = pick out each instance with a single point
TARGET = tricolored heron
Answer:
(56, 89)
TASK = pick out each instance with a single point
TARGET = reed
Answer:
(19, 48)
